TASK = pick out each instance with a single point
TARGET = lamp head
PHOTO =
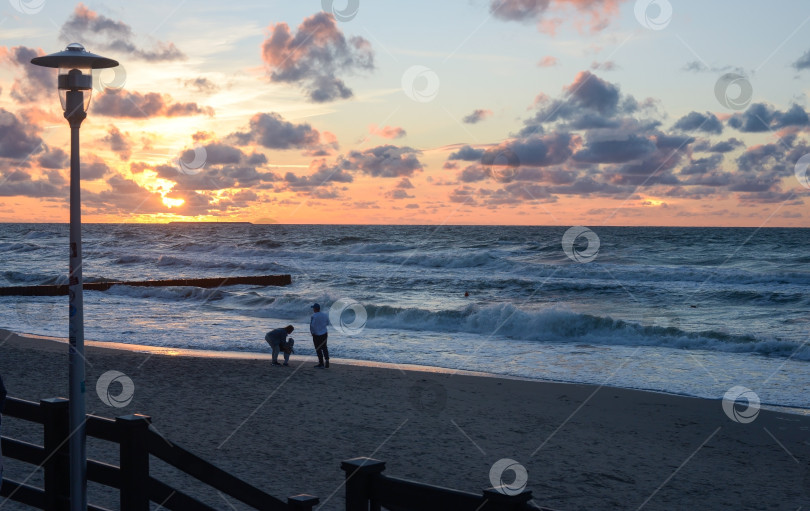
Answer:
(75, 66)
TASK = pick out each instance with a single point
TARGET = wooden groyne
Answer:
(62, 289)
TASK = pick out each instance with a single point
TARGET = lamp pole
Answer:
(75, 78)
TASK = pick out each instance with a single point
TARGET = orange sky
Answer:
(582, 113)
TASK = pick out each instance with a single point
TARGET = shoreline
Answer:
(286, 430)
(251, 355)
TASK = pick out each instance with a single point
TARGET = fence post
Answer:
(133, 431)
(498, 499)
(302, 502)
(56, 433)
(360, 473)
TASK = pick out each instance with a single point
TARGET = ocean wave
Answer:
(175, 294)
(498, 323)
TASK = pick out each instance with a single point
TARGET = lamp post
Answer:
(75, 79)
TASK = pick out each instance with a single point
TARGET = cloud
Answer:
(36, 82)
(548, 61)
(121, 103)
(19, 183)
(599, 12)
(322, 176)
(604, 66)
(695, 121)
(467, 153)
(104, 34)
(760, 117)
(119, 143)
(202, 85)
(697, 66)
(476, 116)
(803, 62)
(53, 158)
(315, 56)
(272, 131)
(725, 146)
(18, 140)
(384, 161)
(389, 132)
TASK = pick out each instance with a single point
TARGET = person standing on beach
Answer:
(276, 338)
(317, 327)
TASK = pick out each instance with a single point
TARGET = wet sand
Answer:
(286, 429)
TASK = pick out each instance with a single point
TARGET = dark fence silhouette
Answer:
(367, 488)
(132, 478)
(62, 289)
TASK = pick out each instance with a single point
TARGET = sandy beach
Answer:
(286, 430)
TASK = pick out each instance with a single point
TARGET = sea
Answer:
(691, 311)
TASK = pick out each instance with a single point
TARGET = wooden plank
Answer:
(212, 475)
(215, 282)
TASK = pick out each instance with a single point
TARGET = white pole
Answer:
(75, 114)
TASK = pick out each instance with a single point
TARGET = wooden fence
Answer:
(367, 488)
(137, 442)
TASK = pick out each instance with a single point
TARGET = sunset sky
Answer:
(538, 112)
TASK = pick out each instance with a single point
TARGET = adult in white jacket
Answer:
(317, 327)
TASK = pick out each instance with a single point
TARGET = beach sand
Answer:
(286, 430)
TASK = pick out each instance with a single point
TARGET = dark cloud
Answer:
(121, 103)
(119, 143)
(37, 82)
(101, 33)
(725, 146)
(696, 121)
(467, 153)
(18, 140)
(803, 62)
(476, 116)
(272, 131)
(760, 117)
(324, 176)
(384, 161)
(19, 183)
(315, 56)
(53, 158)
(615, 151)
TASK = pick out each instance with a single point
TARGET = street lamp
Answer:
(75, 77)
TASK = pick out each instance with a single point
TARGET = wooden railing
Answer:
(132, 478)
(367, 488)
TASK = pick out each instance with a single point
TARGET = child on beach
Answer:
(277, 339)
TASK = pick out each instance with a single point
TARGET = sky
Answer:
(493, 112)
